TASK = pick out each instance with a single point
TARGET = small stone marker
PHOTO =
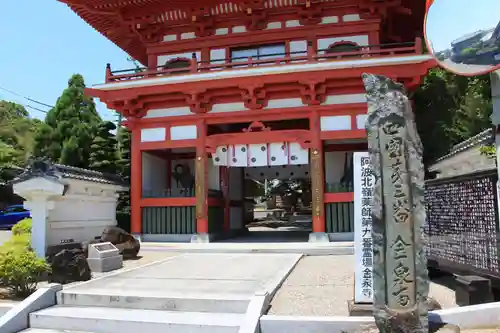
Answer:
(400, 279)
(104, 257)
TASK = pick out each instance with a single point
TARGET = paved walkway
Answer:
(195, 275)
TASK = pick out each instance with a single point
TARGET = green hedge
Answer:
(20, 268)
(23, 227)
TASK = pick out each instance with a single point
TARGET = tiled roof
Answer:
(44, 168)
(484, 138)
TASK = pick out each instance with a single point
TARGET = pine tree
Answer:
(123, 136)
(69, 127)
(104, 155)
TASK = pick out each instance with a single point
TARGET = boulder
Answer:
(126, 243)
(69, 266)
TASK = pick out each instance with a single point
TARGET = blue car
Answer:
(11, 215)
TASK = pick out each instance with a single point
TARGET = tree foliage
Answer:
(69, 127)
(17, 133)
(450, 109)
(123, 164)
(104, 154)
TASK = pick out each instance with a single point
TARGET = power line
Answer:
(27, 98)
(28, 106)
(34, 108)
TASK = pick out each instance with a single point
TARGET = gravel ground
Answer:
(322, 285)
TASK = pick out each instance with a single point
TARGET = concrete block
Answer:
(113, 320)
(359, 309)
(106, 264)
(258, 305)
(472, 290)
(17, 318)
(299, 324)
(467, 317)
(319, 237)
(201, 238)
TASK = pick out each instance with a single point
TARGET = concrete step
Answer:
(44, 330)
(146, 301)
(117, 320)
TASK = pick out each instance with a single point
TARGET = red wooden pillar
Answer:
(136, 182)
(317, 175)
(201, 180)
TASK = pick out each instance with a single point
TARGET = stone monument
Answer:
(400, 278)
(104, 257)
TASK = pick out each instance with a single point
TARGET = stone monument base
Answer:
(103, 265)
(319, 237)
(472, 290)
(359, 309)
(433, 328)
(366, 309)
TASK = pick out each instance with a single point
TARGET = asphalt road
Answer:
(4, 235)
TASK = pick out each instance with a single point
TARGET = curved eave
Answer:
(103, 16)
(426, 59)
(106, 24)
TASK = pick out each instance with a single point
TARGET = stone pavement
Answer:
(187, 293)
(210, 275)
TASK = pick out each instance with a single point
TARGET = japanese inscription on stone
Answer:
(400, 280)
(363, 194)
(402, 268)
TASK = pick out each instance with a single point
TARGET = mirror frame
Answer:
(428, 5)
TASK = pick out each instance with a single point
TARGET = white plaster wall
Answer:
(169, 38)
(184, 132)
(153, 134)
(351, 18)
(335, 123)
(82, 213)
(329, 19)
(470, 160)
(169, 112)
(334, 165)
(154, 174)
(159, 134)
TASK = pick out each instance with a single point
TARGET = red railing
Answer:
(193, 66)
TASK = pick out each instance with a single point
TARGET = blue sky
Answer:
(450, 19)
(43, 44)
